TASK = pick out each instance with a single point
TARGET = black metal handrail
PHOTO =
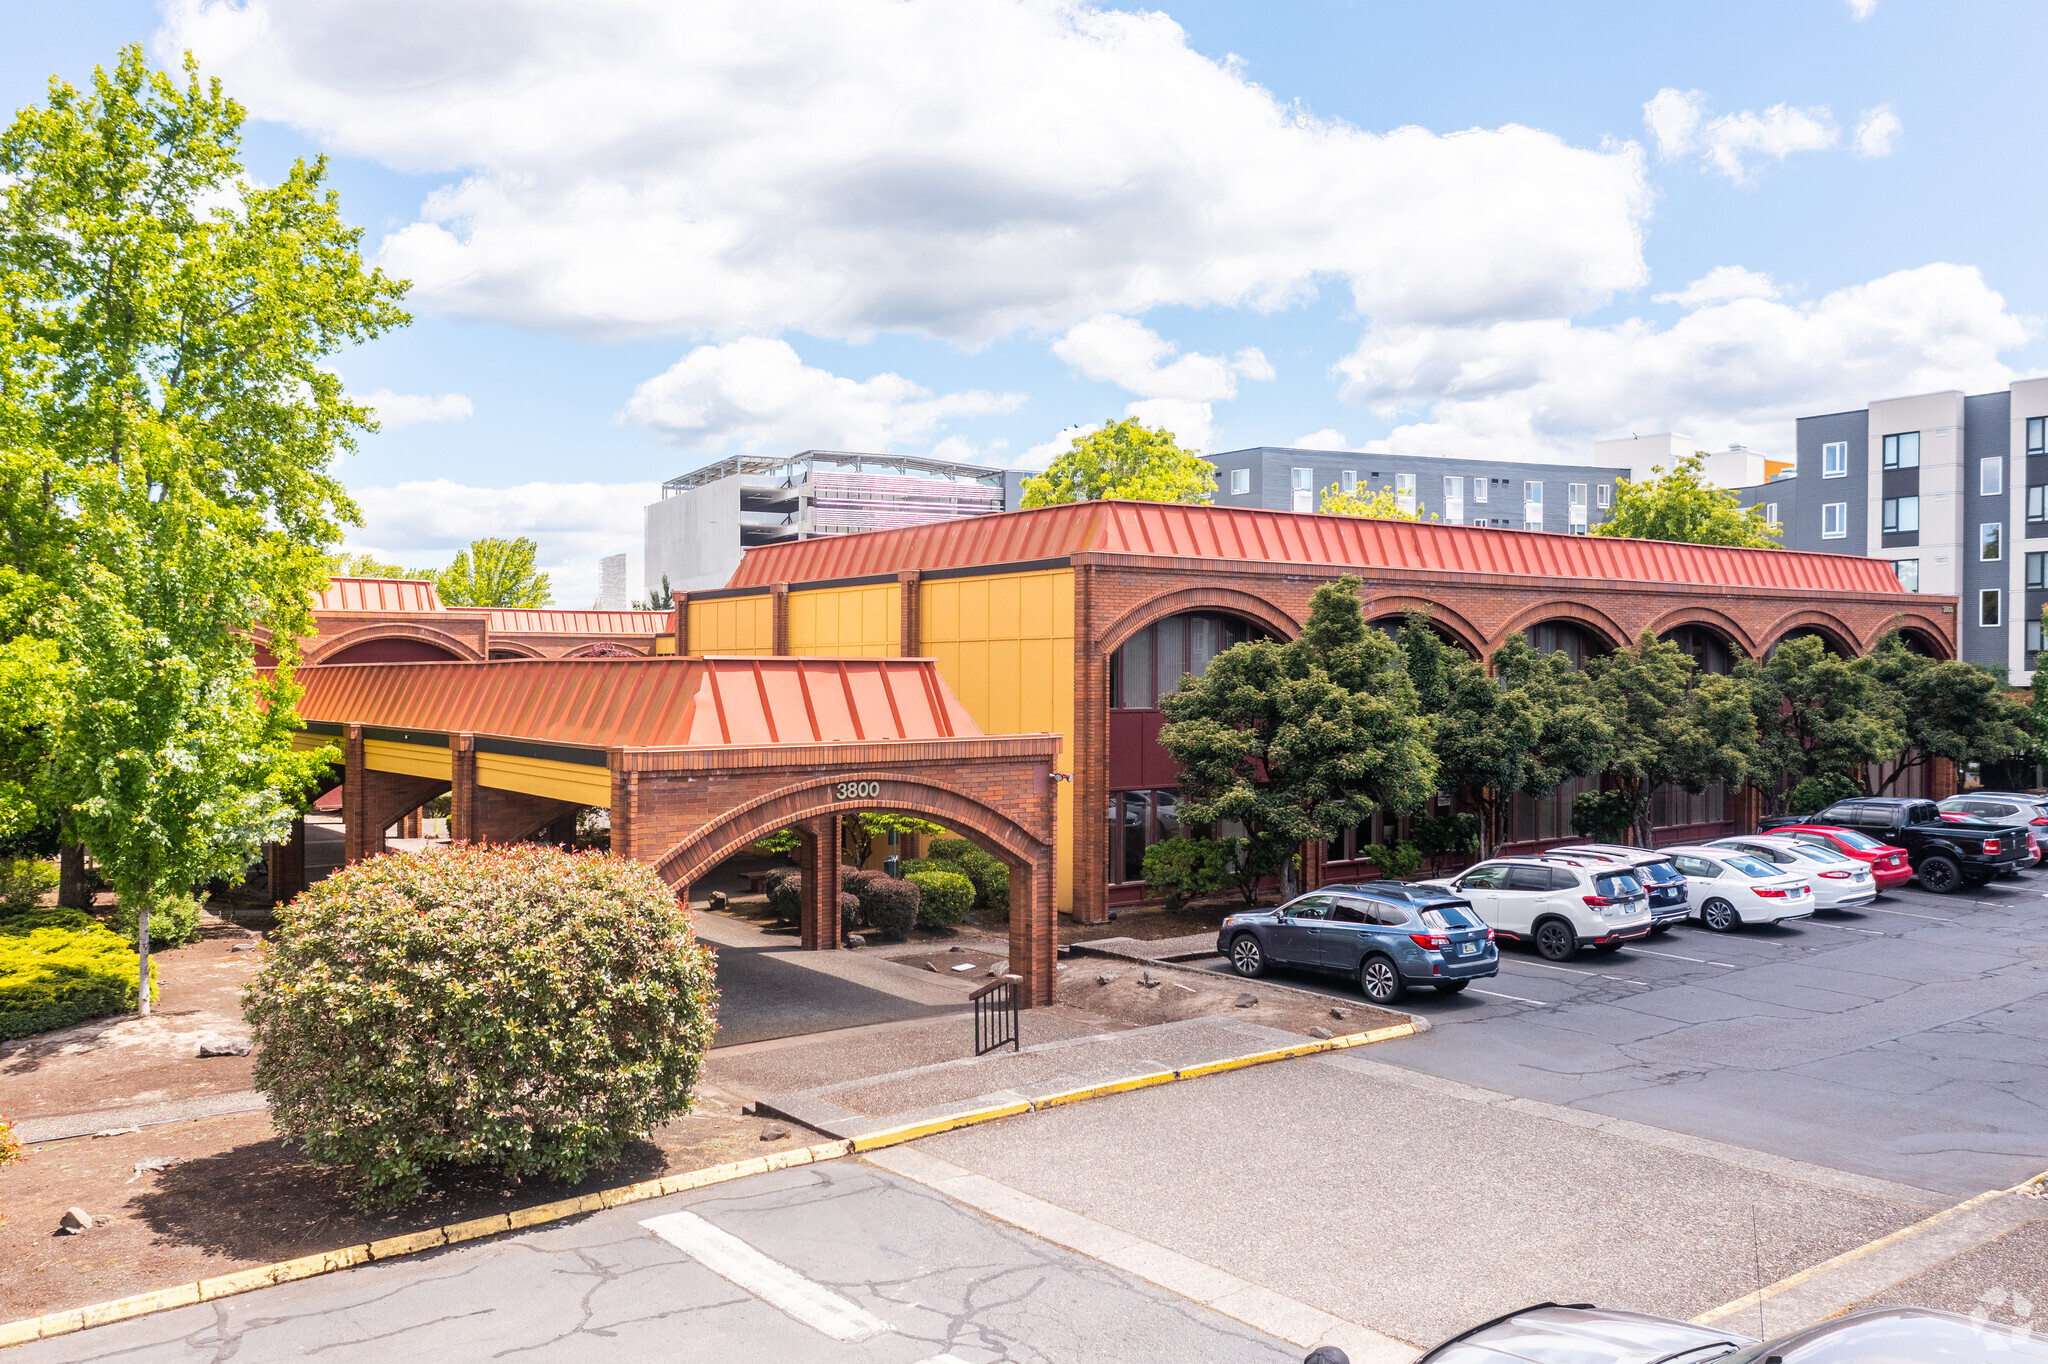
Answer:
(995, 1015)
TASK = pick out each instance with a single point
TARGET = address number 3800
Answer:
(857, 790)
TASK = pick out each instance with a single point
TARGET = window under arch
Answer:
(1151, 662)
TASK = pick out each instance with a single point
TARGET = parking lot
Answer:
(1903, 1041)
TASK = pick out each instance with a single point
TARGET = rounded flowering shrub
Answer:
(517, 1008)
(943, 897)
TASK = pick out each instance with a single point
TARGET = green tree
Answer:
(370, 566)
(1301, 740)
(493, 572)
(1683, 507)
(1817, 716)
(1381, 504)
(1670, 727)
(1954, 710)
(1123, 459)
(664, 600)
(861, 830)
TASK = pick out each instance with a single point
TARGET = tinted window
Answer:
(1441, 917)
(1843, 812)
(1350, 912)
(1750, 867)
(1861, 842)
(1487, 877)
(1997, 811)
(1823, 854)
(1309, 907)
(1923, 812)
(1617, 885)
(1560, 879)
(1696, 866)
(1390, 916)
(1528, 878)
(1660, 873)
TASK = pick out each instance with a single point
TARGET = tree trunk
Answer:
(142, 951)
(1287, 877)
(74, 888)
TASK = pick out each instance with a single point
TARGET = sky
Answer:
(642, 235)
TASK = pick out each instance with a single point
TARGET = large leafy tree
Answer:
(1954, 710)
(1684, 507)
(1382, 504)
(1671, 726)
(493, 572)
(169, 419)
(1123, 459)
(1297, 741)
(1818, 715)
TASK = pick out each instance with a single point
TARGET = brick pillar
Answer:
(1315, 855)
(624, 806)
(910, 632)
(287, 864)
(359, 837)
(819, 858)
(680, 623)
(462, 788)
(778, 619)
(410, 826)
(1943, 780)
(1034, 935)
(1089, 758)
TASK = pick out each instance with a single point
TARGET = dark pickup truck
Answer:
(1946, 852)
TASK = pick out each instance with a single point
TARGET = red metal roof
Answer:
(379, 594)
(522, 621)
(646, 702)
(1239, 533)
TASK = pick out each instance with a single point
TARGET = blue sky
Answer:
(644, 235)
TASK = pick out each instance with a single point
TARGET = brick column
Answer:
(1315, 856)
(287, 863)
(358, 838)
(778, 619)
(819, 859)
(624, 806)
(681, 623)
(462, 788)
(909, 627)
(1089, 758)
(1943, 780)
(1034, 936)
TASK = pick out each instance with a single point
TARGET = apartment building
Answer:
(1498, 493)
(1951, 489)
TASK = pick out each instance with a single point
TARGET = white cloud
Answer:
(755, 393)
(1720, 284)
(422, 524)
(1193, 424)
(397, 410)
(1329, 438)
(1039, 456)
(1131, 355)
(1878, 132)
(843, 167)
(1859, 10)
(1741, 367)
(1677, 122)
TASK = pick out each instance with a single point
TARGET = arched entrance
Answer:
(1709, 650)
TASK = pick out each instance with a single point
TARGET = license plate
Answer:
(1468, 949)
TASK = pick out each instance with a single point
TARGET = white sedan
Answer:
(1728, 889)
(1839, 881)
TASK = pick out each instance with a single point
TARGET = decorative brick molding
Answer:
(1843, 637)
(326, 645)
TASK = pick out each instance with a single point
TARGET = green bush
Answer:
(1179, 869)
(785, 887)
(781, 843)
(23, 883)
(1435, 835)
(1815, 793)
(516, 1007)
(943, 897)
(991, 878)
(1396, 861)
(1601, 816)
(58, 967)
(173, 922)
(911, 864)
(950, 849)
(888, 905)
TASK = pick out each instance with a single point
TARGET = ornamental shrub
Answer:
(889, 905)
(1817, 793)
(943, 897)
(950, 849)
(23, 883)
(173, 921)
(786, 893)
(991, 880)
(1602, 816)
(59, 967)
(521, 1008)
(10, 1145)
(1396, 861)
(1179, 869)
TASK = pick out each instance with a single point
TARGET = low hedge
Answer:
(943, 897)
(59, 967)
(23, 883)
(991, 879)
(889, 905)
(173, 922)
(950, 849)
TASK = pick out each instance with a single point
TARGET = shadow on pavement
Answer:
(762, 997)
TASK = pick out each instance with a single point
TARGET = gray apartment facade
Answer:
(1563, 498)
(1951, 488)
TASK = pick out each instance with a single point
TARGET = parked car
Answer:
(1945, 852)
(1583, 1334)
(1560, 904)
(2006, 811)
(1385, 941)
(1888, 865)
(1731, 889)
(1839, 881)
(1665, 885)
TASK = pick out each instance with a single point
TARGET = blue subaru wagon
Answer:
(1386, 937)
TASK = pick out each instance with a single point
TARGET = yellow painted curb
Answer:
(411, 1243)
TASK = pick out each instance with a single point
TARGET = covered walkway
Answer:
(695, 758)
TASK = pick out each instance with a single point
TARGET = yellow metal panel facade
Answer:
(1005, 645)
(664, 644)
(543, 777)
(414, 760)
(303, 742)
(732, 625)
(847, 622)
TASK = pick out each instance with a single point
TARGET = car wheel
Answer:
(1379, 980)
(1451, 987)
(1556, 940)
(1720, 916)
(1247, 958)
(1939, 875)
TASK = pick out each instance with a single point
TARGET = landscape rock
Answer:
(929, 967)
(223, 1046)
(956, 949)
(242, 947)
(115, 1132)
(1104, 980)
(1320, 1032)
(74, 1222)
(720, 902)
(1340, 1013)
(856, 940)
(1247, 1001)
(774, 1133)
(152, 1164)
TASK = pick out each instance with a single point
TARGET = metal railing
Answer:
(995, 1015)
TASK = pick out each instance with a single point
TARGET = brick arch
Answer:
(1923, 627)
(1591, 617)
(1461, 631)
(328, 646)
(1827, 624)
(501, 648)
(988, 828)
(1719, 622)
(1191, 599)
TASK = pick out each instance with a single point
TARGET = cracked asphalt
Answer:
(1906, 1041)
(947, 1280)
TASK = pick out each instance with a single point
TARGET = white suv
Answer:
(1556, 903)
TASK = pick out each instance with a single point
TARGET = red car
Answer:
(1888, 865)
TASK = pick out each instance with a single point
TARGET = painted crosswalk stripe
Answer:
(1495, 994)
(769, 1280)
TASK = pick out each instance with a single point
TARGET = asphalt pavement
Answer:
(1907, 1040)
(763, 994)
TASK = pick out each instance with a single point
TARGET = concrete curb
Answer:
(326, 1262)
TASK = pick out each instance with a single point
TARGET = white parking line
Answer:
(1495, 994)
(1675, 957)
(769, 1280)
(1848, 928)
(1874, 909)
(1575, 971)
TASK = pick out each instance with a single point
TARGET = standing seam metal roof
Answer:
(1239, 533)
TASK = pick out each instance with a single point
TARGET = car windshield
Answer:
(1752, 868)
(1860, 842)
(1442, 917)
(1618, 885)
(1663, 873)
(1823, 854)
